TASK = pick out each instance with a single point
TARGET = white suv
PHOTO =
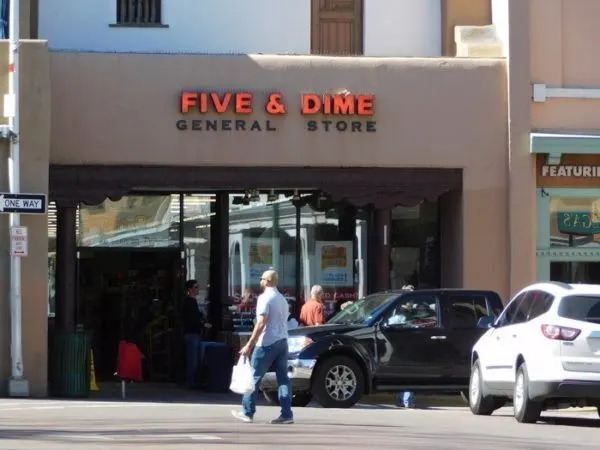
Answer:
(543, 352)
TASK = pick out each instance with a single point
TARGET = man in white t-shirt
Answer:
(268, 346)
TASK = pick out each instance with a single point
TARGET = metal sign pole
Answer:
(17, 384)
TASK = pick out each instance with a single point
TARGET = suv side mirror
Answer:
(485, 322)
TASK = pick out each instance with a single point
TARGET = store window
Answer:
(415, 246)
(134, 221)
(333, 251)
(262, 235)
(575, 222)
(587, 272)
(51, 259)
(197, 219)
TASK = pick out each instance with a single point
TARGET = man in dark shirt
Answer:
(193, 326)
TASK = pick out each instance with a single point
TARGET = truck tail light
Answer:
(559, 333)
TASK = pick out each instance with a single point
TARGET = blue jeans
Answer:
(405, 398)
(262, 359)
(192, 347)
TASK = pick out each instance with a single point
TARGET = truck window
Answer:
(415, 311)
(467, 309)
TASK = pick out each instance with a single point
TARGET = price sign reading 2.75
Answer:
(577, 222)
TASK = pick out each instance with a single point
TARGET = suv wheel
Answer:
(525, 409)
(338, 382)
(479, 403)
(299, 399)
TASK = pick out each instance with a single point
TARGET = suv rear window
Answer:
(580, 307)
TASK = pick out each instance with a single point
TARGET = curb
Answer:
(451, 401)
(427, 400)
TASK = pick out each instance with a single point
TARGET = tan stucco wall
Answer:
(462, 12)
(122, 109)
(563, 46)
(34, 138)
(522, 200)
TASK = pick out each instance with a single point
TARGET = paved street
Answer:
(54, 425)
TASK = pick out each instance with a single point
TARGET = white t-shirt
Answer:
(272, 303)
(292, 324)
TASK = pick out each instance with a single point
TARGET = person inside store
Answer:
(246, 303)
(311, 313)
(194, 324)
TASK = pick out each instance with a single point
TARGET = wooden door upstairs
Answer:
(337, 27)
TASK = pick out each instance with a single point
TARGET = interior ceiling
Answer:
(378, 187)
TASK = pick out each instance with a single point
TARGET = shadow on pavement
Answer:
(174, 394)
(570, 422)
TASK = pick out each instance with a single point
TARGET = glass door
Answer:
(575, 272)
(568, 235)
(415, 249)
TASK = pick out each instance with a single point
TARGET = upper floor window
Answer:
(139, 13)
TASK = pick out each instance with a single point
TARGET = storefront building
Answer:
(565, 142)
(235, 164)
(358, 174)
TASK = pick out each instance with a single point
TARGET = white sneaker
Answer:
(239, 415)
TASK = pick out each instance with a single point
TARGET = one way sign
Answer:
(22, 203)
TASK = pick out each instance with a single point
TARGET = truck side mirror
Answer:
(485, 322)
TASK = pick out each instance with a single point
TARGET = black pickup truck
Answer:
(387, 342)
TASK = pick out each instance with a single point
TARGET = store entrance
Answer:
(132, 294)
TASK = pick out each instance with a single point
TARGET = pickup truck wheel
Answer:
(299, 399)
(479, 403)
(338, 382)
(525, 409)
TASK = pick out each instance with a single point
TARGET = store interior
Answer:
(135, 253)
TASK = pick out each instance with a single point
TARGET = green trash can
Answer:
(71, 364)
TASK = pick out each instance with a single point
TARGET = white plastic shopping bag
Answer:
(242, 378)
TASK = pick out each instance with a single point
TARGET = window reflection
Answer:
(262, 235)
(415, 246)
(133, 221)
(196, 239)
(51, 259)
(574, 222)
(333, 251)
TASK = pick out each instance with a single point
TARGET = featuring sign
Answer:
(18, 241)
(343, 112)
(573, 171)
(23, 203)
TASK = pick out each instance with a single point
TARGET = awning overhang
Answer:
(554, 145)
